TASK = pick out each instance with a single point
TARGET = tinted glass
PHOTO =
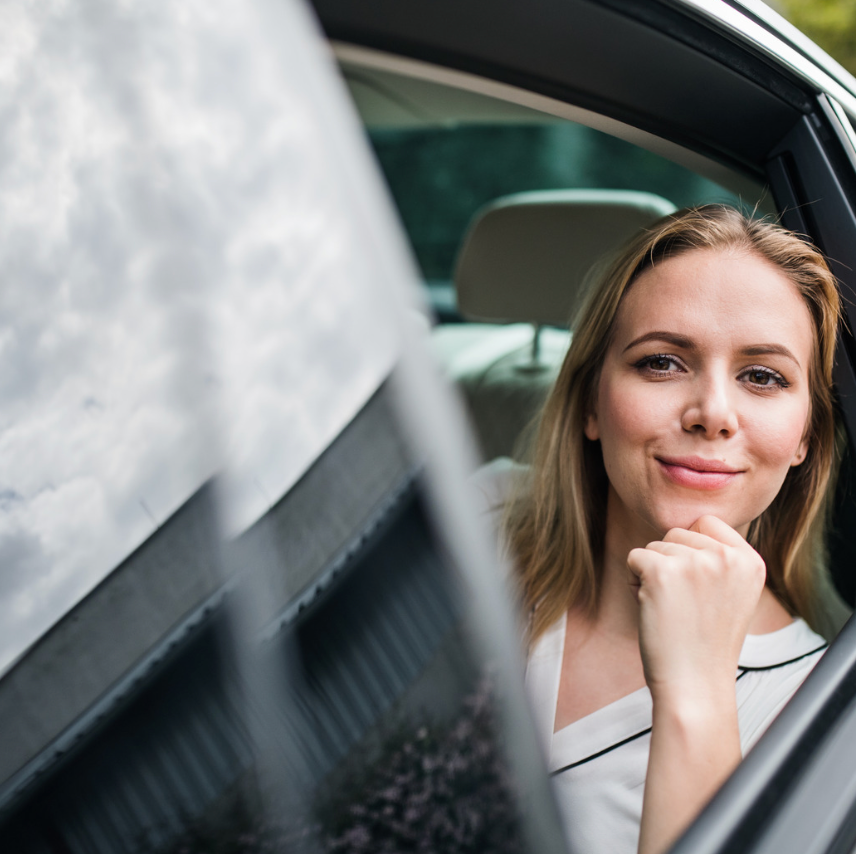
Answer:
(440, 177)
(235, 619)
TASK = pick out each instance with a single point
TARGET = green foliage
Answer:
(829, 23)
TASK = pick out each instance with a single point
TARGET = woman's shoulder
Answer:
(774, 650)
(771, 669)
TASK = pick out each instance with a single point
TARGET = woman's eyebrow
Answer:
(669, 337)
(767, 349)
(687, 344)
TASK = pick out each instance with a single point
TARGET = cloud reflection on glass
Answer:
(158, 209)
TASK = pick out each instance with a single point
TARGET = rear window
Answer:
(440, 176)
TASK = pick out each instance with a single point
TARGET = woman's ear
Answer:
(802, 452)
(590, 427)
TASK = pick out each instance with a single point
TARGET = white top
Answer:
(598, 763)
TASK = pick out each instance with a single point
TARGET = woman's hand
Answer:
(698, 590)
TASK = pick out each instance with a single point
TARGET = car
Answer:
(250, 600)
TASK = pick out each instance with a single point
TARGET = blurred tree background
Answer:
(831, 24)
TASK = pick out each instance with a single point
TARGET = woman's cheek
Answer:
(625, 403)
(776, 441)
(629, 419)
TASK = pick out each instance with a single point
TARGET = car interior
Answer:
(507, 242)
(510, 210)
(777, 149)
(506, 249)
(505, 264)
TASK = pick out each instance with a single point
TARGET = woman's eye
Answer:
(659, 364)
(765, 378)
(760, 378)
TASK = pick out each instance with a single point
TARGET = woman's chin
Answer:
(643, 522)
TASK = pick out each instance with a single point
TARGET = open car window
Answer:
(447, 151)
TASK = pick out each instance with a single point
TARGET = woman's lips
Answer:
(697, 472)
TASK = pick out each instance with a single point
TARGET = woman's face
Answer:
(703, 400)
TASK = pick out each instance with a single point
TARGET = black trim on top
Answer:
(784, 663)
(743, 672)
(601, 752)
(597, 56)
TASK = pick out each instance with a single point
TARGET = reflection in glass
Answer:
(232, 618)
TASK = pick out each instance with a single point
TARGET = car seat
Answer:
(523, 263)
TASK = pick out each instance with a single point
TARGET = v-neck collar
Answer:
(630, 716)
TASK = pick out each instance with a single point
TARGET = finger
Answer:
(674, 548)
(691, 539)
(715, 528)
(642, 562)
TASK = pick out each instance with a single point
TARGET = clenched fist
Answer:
(698, 590)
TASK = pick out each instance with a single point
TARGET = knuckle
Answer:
(710, 564)
(654, 578)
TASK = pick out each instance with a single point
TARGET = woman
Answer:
(670, 533)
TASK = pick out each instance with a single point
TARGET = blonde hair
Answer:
(555, 527)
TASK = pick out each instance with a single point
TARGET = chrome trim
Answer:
(799, 40)
(735, 23)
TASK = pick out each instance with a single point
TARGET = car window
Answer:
(446, 153)
(738, 92)
(234, 617)
(439, 177)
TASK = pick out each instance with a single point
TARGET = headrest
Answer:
(525, 257)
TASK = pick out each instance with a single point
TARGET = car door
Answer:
(720, 80)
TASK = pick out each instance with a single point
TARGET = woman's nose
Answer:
(710, 407)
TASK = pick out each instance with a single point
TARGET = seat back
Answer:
(525, 257)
